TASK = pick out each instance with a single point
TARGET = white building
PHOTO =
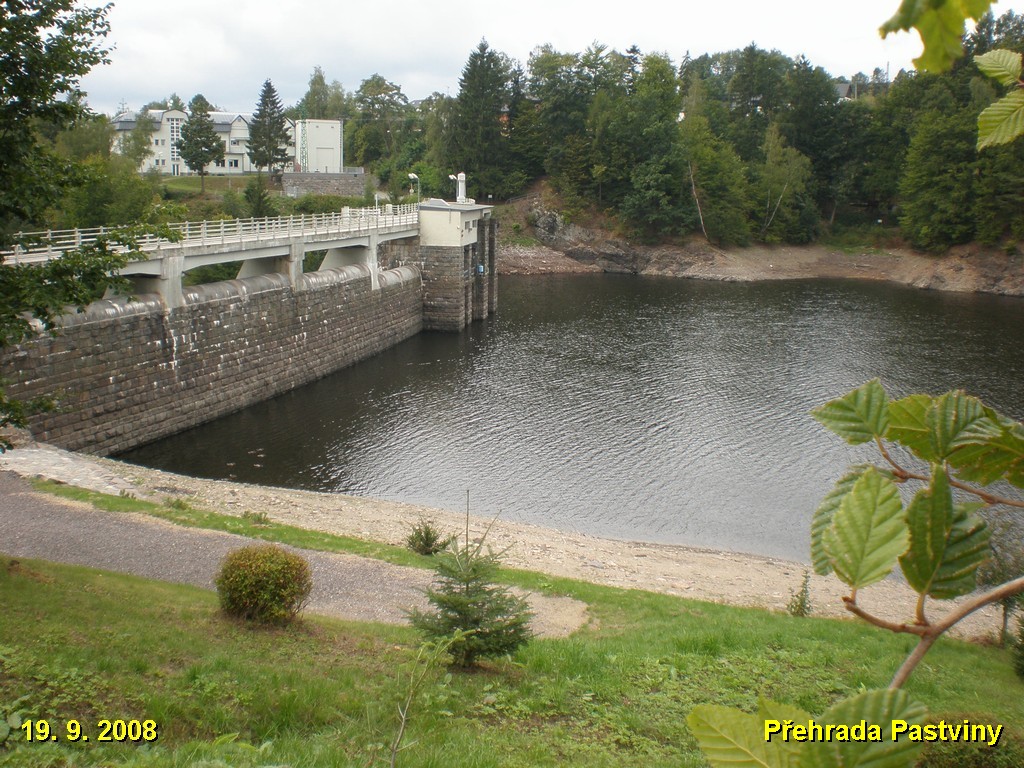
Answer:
(323, 144)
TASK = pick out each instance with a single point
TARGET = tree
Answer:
(91, 136)
(382, 112)
(171, 102)
(268, 132)
(46, 46)
(936, 189)
(314, 103)
(783, 212)
(714, 172)
(137, 144)
(475, 617)
(199, 144)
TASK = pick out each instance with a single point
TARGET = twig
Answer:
(990, 499)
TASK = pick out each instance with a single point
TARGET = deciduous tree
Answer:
(46, 46)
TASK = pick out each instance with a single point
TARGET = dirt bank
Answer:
(965, 269)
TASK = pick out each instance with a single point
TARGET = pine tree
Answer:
(199, 144)
(467, 600)
(480, 141)
(268, 132)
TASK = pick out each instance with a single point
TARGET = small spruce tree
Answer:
(479, 618)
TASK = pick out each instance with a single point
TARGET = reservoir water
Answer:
(650, 409)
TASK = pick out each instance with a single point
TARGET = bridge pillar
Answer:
(290, 265)
(167, 284)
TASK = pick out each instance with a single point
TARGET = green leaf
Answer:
(941, 26)
(1002, 122)
(881, 708)
(823, 515)
(947, 543)
(908, 425)
(1003, 65)
(868, 531)
(994, 451)
(957, 419)
(734, 739)
(859, 416)
(929, 520)
(789, 751)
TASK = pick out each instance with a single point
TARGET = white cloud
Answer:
(227, 50)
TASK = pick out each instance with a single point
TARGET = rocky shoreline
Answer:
(968, 269)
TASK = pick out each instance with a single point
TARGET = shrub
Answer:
(263, 583)
(425, 539)
(480, 619)
(800, 601)
(959, 754)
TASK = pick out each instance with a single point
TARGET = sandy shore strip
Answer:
(724, 577)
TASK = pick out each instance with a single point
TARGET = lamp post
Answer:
(417, 178)
(455, 178)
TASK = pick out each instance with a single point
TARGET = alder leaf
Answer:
(1000, 64)
(877, 707)
(908, 425)
(1002, 122)
(948, 543)
(984, 458)
(730, 738)
(868, 531)
(859, 416)
(940, 23)
(823, 515)
(957, 419)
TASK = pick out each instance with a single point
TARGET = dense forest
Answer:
(742, 146)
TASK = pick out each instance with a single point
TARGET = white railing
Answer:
(42, 246)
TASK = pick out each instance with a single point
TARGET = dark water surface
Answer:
(638, 408)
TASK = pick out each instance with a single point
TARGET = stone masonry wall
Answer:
(131, 372)
(344, 184)
(446, 280)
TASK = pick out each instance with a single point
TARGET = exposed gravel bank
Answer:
(725, 577)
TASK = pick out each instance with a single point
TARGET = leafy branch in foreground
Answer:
(41, 292)
(861, 531)
(940, 23)
(1003, 121)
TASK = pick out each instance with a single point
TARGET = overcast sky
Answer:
(225, 50)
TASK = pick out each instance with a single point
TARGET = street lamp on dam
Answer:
(417, 178)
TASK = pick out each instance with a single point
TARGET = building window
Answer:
(174, 127)
(232, 163)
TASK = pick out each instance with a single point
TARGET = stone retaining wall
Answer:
(131, 372)
(344, 184)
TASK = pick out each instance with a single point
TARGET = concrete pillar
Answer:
(167, 284)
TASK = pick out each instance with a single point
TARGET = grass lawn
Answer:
(82, 644)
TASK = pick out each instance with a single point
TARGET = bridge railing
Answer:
(45, 245)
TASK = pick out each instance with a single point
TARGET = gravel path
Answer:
(35, 525)
(725, 577)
